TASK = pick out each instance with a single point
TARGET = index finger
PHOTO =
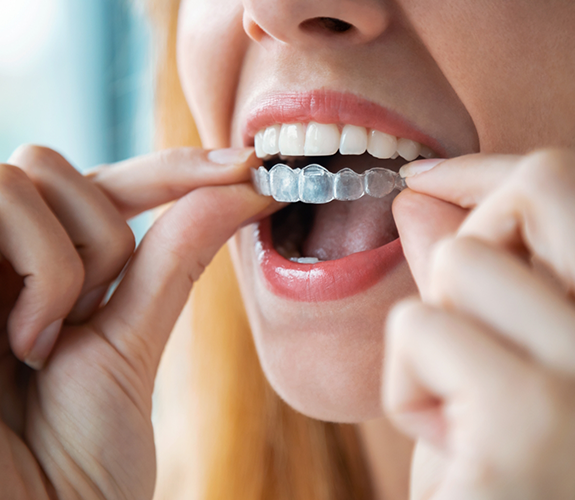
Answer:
(146, 182)
(141, 313)
(464, 181)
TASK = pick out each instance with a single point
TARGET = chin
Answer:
(321, 378)
(324, 358)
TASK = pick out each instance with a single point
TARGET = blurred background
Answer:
(76, 76)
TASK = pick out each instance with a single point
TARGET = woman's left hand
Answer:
(481, 371)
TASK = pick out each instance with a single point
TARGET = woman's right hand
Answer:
(78, 426)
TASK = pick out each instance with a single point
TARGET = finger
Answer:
(143, 183)
(491, 413)
(473, 277)
(100, 234)
(140, 315)
(534, 207)
(463, 181)
(428, 470)
(39, 250)
(421, 222)
(441, 370)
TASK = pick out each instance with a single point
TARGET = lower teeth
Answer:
(306, 260)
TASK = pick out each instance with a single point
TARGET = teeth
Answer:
(318, 139)
(426, 152)
(270, 143)
(353, 140)
(259, 139)
(292, 139)
(381, 145)
(348, 185)
(316, 184)
(408, 149)
(305, 260)
(283, 183)
(321, 140)
(261, 179)
(379, 182)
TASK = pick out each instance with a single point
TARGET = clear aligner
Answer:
(316, 184)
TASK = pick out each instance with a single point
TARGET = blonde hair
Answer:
(252, 446)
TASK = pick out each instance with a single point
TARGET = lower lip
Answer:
(324, 281)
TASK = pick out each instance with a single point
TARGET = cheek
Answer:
(211, 45)
(498, 56)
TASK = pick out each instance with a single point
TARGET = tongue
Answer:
(341, 228)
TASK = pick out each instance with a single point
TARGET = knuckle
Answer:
(125, 242)
(449, 255)
(12, 177)
(120, 244)
(546, 172)
(37, 160)
(403, 317)
(64, 280)
(174, 156)
(71, 275)
(31, 154)
(412, 323)
(14, 183)
(183, 249)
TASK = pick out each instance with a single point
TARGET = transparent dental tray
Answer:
(316, 184)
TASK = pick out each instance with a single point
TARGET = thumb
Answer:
(140, 316)
(421, 222)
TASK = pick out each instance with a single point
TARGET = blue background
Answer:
(76, 76)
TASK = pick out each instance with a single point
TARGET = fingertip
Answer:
(418, 167)
(233, 157)
(45, 341)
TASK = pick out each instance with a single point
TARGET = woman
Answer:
(478, 372)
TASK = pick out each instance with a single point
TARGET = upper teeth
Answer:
(319, 139)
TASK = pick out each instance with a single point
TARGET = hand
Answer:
(482, 371)
(80, 427)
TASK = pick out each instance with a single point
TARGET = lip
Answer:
(328, 106)
(324, 281)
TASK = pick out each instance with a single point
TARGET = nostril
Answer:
(335, 25)
(326, 24)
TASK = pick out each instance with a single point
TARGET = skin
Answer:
(101, 370)
(478, 369)
(474, 94)
(479, 74)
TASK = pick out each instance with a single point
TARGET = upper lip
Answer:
(326, 106)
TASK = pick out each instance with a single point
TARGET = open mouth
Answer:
(309, 233)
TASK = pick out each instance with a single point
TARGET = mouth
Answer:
(308, 233)
(328, 251)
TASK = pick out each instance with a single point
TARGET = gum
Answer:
(317, 185)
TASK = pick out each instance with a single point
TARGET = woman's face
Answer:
(456, 76)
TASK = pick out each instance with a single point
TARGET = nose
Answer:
(307, 22)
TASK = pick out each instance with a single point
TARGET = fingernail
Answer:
(43, 346)
(87, 304)
(230, 156)
(419, 166)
